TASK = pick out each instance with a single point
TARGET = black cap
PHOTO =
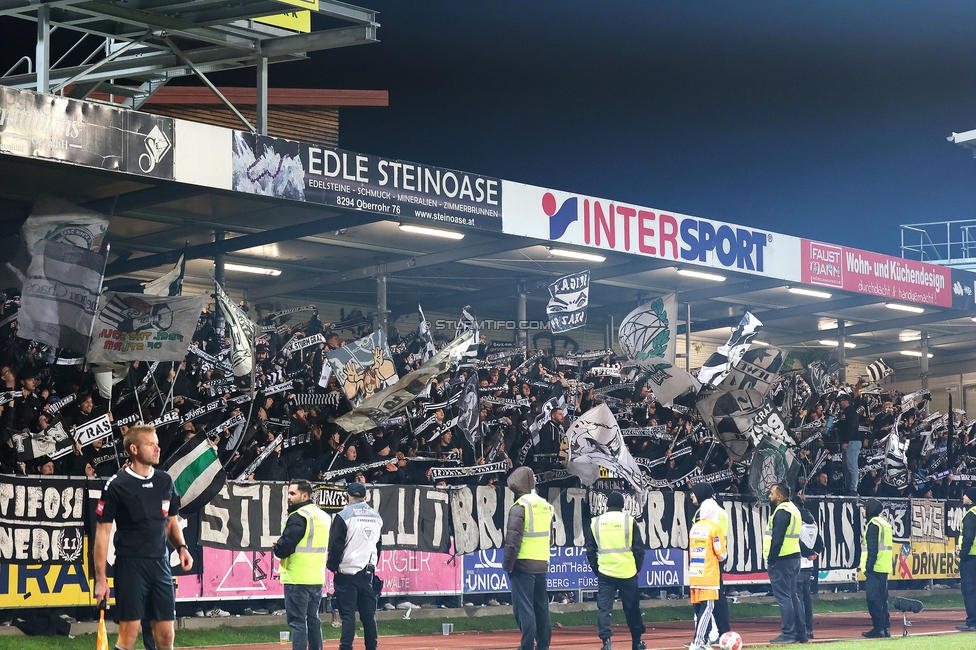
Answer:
(702, 491)
(971, 493)
(615, 501)
(844, 396)
(356, 489)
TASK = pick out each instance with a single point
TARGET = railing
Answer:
(952, 243)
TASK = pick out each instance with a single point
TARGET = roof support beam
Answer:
(771, 315)
(935, 316)
(240, 243)
(886, 348)
(145, 198)
(404, 264)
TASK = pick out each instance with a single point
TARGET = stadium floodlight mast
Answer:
(812, 293)
(701, 275)
(577, 255)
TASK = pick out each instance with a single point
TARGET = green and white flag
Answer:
(197, 473)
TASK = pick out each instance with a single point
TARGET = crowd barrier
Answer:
(437, 541)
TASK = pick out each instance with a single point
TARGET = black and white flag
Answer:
(60, 295)
(758, 369)
(569, 297)
(713, 371)
(141, 327)
(595, 441)
(53, 442)
(170, 284)
(427, 349)
(469, 323)
(878, 370)
(241, 334)
(469, 420)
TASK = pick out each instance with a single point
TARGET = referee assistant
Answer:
(144, 504)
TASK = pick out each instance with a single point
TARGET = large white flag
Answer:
(649, 333)
(60, 295)
(141, 327)
(595, 441)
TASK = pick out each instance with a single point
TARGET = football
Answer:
(730, 641)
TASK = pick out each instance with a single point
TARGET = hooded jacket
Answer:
(872, 508)
(521, 481)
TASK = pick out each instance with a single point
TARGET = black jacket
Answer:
(968, 534)
(636, 547)
(293, 533)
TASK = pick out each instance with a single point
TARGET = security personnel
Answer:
(527, 544)
(703, 496)
(615, 550)
(354, 550)
(706, 552)
(302, 548)
(966, 549)
(781, 549)
(876, 565)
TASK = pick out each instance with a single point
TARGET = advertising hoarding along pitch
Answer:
(355, 181)
(563, 217)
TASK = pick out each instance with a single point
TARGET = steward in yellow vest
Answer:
(876, 562)
(301, 549)
(966, 550)
(781, 549)
(615, 550)
(527, 543)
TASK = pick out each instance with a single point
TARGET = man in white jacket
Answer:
(811, 545)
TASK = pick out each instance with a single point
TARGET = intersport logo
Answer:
(616, 226)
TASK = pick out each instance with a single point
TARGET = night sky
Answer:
(822, 119)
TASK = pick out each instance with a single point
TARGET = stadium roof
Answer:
(330, 245)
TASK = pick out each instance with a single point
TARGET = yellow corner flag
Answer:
(101, 643)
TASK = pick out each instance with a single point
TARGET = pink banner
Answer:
(254, 574)
(897, 279)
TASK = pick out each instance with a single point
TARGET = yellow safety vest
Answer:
(962, 551)
(538, 523)
(306, 566)
(884, 563)
(791, 541)
(614, 535)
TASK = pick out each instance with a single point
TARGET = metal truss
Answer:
(139, 45)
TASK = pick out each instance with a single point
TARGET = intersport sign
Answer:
(564, 217)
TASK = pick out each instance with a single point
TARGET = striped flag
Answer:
(197, 473)
(879, 370)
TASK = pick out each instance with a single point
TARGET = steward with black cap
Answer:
(354, 550)
(615, 550)
(966, 549)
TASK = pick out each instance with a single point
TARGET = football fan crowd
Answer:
(518, 430)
